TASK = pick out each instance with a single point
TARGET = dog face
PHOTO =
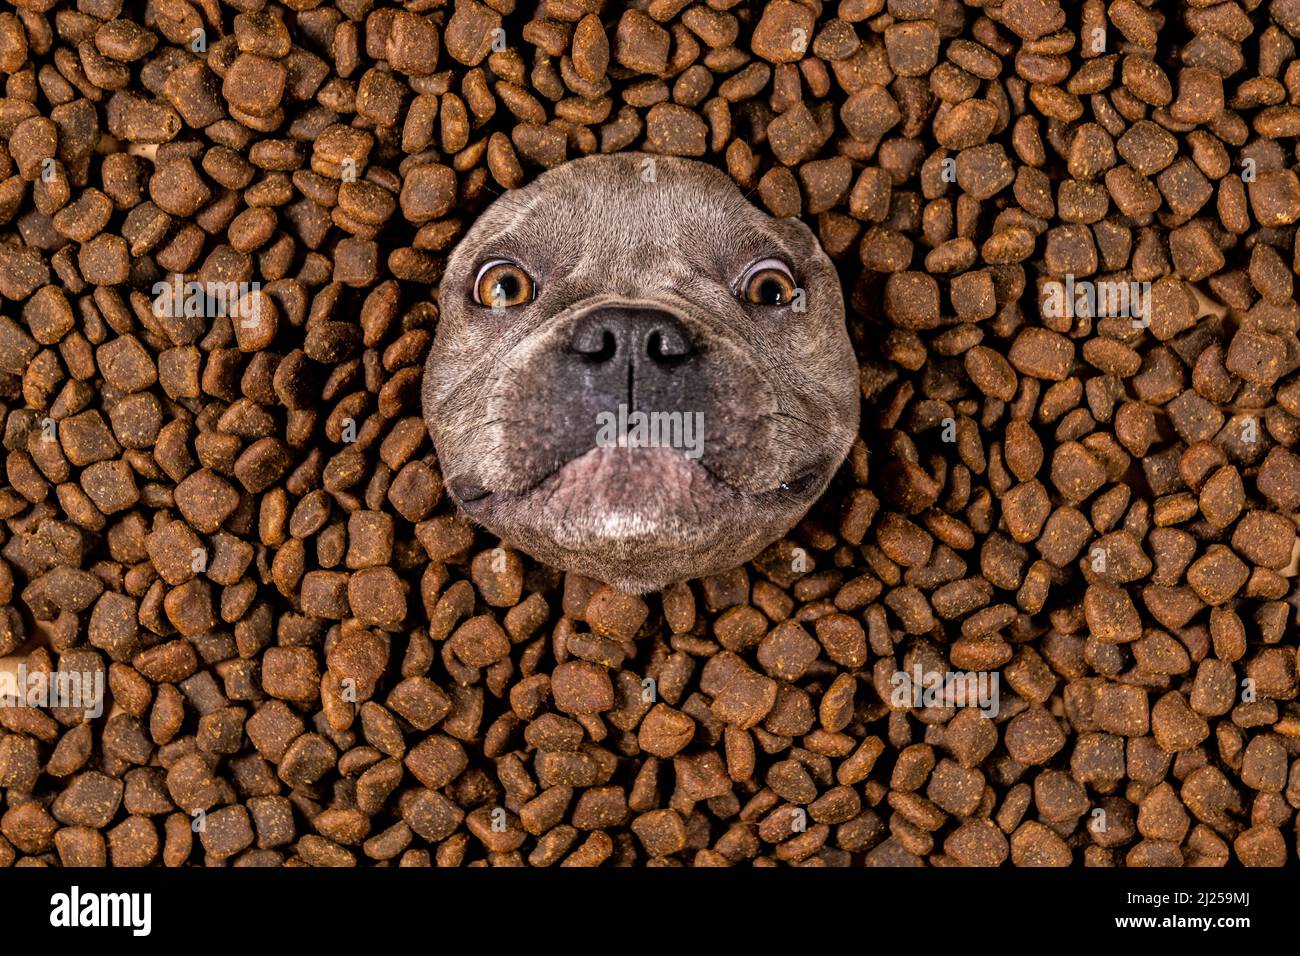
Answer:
(637, 375)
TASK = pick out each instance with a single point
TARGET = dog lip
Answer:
(633, 462)
(797, 486)
(639, 466)
(474, 497)
(467, 493)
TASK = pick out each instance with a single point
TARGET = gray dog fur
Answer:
(513, 424)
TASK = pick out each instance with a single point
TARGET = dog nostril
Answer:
(666, 343)
(594, 341)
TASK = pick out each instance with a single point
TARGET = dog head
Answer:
(637, 375)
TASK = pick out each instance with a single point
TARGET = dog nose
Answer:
(628, 335)
(642, 358)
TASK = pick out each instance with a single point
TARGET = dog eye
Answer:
(501, 284)
(768, 282)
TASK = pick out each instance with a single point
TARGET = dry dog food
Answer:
(1045, 616)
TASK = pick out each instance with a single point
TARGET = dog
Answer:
(638, 375)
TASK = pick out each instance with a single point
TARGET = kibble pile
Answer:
(312, 660)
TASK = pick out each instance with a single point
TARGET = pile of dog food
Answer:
(1046, 615)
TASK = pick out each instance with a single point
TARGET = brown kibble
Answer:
(1217, 575)
(1121, 709)
(784, 32)
(590, 49)
(615, 614)
(1222, 497)
(377, 597)
(90, 800)
(178, 189)
(1033, 844)
(428, 192)
(1257, 357)
(676, 131)
(412, 46)
(661, 832)
(469, 34)
(665, 731)
(1265, 539)
(581, 687)
(984, 171)
(843, 640)
(640, 44)
(991, 373)
(745, 699)
(1067, 276)
(191, 785)
(291, 673)
(254, 84)
(1112, 618)
(977, 843)
(436, 761)
(1042, 353)
(912, 300)
(1275, 197)
(1034, 736)
(226, 832)
(206, 500)
(29, 827)
(480, 641)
